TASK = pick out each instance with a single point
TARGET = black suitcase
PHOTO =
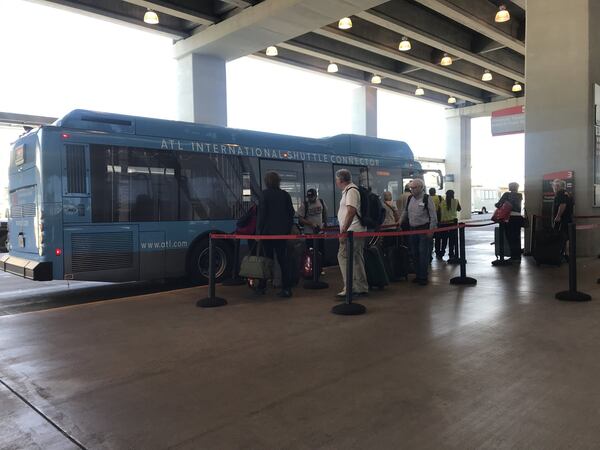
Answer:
(375, 268)
(397, 262)
(548, 247)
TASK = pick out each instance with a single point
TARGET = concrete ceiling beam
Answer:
(396, 55)
(521, 4)
(180, 12)
(113, 17)
(466, 18)
(346, 61)
(438, 42)
(268, 23)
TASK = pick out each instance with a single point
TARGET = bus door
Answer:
(292, 178)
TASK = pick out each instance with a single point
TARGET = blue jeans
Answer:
(420, 247)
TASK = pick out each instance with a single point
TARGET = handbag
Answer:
(257, 266)
(502, 214)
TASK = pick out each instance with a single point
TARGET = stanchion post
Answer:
(463, 279)
(501, 233)
(348, 308)
(572, 295)
(316, 271)
(212, 300)
(235, 279)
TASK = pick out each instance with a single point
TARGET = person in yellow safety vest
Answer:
(437, 237)
(449, 209)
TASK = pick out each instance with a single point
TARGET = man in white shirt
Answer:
(349, 221)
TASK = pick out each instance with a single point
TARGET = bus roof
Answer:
(143, 126)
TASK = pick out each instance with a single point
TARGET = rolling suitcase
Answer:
(496, 244)
(375, 268)
(397, 262)
(548, 247)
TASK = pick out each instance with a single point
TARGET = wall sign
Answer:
(508, 121)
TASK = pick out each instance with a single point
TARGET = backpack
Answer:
(372, 212)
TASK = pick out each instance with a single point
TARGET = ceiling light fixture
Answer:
(446, 60)
(404, 44)
(150, 17)
(502, 15)
(517, 87)
(272, 51)
(419, 92)
(451, 100)
(487, 75)
(376, 79)
(345, 23)
(332, 67)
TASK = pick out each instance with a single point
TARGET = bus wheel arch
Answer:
(197, 258)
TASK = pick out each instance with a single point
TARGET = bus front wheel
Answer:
(198, 262)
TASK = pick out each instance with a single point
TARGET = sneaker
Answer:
(285, 293)
(360, 294)
(514, 260)
(341, 294)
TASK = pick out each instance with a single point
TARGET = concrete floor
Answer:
(499, 365)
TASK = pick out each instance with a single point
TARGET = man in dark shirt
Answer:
(276, 216)
(562, 208)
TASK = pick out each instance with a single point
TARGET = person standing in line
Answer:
(515, 221)
(349, 221)
(449, 209)
(401, 202)
(276, 216)
(562, 211)
(391, 211)
(312, 215)
(437, 237)
(392, 216)
(420, 214)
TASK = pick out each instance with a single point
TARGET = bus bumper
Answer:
(26, 268)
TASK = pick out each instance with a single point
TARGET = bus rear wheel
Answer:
(198, 262)
(483, 210)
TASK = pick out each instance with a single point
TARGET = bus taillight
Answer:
(65, 135)
(58, 252)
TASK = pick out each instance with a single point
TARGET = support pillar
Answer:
(202, 90)
(364, 111)
(458, 161)
(559, 131)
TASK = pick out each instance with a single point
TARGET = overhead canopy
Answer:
(306, 35)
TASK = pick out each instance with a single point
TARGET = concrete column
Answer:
(562, 68)
(202, 90)
(364, 111)
(458, 161)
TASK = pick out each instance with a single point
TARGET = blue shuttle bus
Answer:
(108, 197)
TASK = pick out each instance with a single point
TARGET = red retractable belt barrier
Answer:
(289, 237)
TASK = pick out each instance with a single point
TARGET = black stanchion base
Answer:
(598, 281)
(211, 302)
(464, 281)
(501, 262)
(311, 284)
(349, 309)
(575, 296)
(234, 282)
